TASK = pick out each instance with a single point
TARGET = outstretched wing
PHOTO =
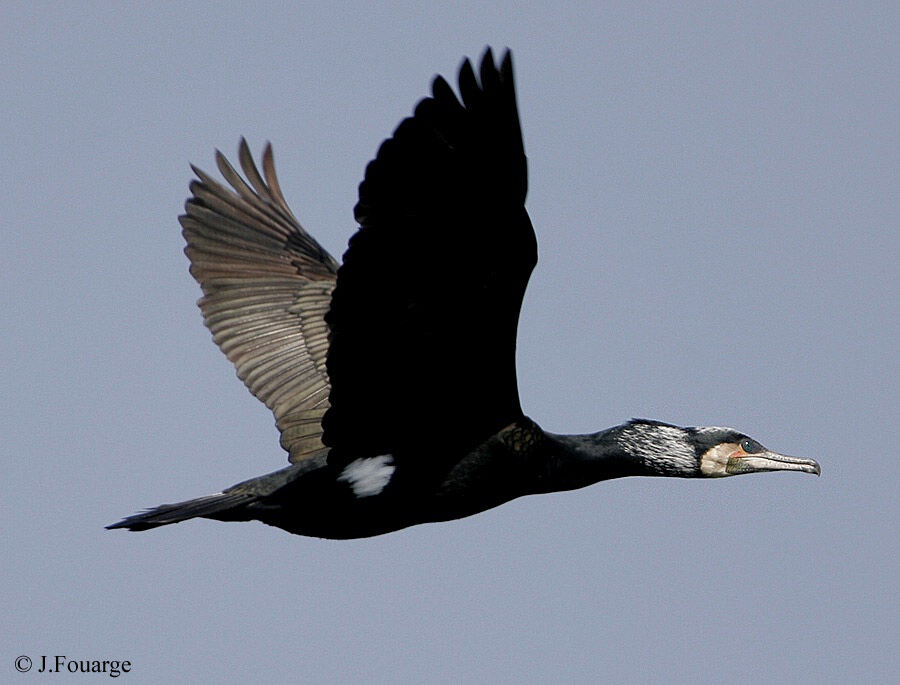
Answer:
(423, 319)
(266, 287)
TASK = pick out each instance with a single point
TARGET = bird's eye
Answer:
(751, 446)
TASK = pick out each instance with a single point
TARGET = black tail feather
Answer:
(221, 505)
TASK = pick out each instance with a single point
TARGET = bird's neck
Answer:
(575, 461)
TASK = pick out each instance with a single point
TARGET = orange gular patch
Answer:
(714, 461)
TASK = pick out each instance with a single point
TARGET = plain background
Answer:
(714, 188)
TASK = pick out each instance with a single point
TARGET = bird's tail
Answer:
(224, 506)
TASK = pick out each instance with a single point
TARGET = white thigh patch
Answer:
(370, 475)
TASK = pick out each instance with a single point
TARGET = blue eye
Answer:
(751, 446)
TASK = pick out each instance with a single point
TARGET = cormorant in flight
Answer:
(392, 376)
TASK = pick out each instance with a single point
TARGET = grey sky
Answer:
(714, 190)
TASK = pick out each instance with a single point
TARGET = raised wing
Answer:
(423, 319)
(266, 287)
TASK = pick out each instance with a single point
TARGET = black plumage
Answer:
(392, 378)
(423, 318)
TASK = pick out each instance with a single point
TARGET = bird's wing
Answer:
(423, 318)
(266, 287)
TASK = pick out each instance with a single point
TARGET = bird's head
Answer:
(703, 452)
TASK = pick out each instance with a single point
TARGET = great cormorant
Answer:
(392, 377)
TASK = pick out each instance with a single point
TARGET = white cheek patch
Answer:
(369, 476)
(715, 459)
